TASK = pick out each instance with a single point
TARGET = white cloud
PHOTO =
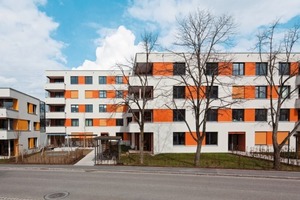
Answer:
(115, 47)
(27, 48)
(248, 14)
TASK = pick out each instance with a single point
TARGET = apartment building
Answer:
(84, 104)
(242, 123)
(22, 120)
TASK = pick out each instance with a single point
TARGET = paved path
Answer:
(88, 160)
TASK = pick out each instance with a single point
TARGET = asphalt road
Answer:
(29, 183)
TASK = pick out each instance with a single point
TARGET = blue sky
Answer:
(39, 35)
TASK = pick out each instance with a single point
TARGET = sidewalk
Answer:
(88, 160)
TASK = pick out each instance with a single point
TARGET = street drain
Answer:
(57, 195)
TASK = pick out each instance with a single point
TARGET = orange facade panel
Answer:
(224, 115)
(111, 94)
(269, 138)
(81, 108)
(249, 115)
(125, 79)
(191, 92)
(238, 92)
(281, 135)
(294, 68)
(68, 122)
(96, 122)
(189, 139)
(111, 108)
(111, 122)
(250, 68)
(225, 68)
(81, 80)
(67, 94)
(111, 79)
(260, 138)
(249, 92)
(272, 92)
(88, 94)
(163, 69)
(126, 136)
(162, 115)
(293, 115)
(95, 93)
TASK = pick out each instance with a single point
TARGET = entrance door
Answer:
(148, 141)
(236, 141)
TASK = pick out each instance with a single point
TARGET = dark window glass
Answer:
(178, 68)
(89, 108)
(178, 138)
(212, 92)
(261, 69)
(102, 79)
(284, 68)
(211, 69)
(148, 116)
(261, 92)
(74, 79)
(178, 92)
(102, 108)
(238, 115)
(178, 115)
(74, 108)
(74, 122)
(102, 94)
(261, 114)
(88, 79)
(285, 92)
(119, 94)
(119, 79)
(211, 138)
(284, 115)
(238, 69)
(119, 122)
(143, 69)
(88, 122)
(212, 115)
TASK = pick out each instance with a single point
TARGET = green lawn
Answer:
(208, 160)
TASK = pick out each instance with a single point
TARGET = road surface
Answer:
(34, 183)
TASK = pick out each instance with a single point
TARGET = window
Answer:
(88, 108)
(238, 69)
(212, 115)
(211, 138)
(119, 94)
(261, 114)
(102, 79)
(148, 115)
(88, 122)
(143, 68)
(178, 115)
(285, 92)
(178, 92)
(261, 92)
(74, 79)
(237, 115)
(102, 108)
(212, 92)
(179, 68)
(88, 79)
(32, 143)
(261, 69)
(74, 122)
(74, 94)
(74, 108)
(238, 92)
(119, 79)
(284, 115)
(119, 122)
(178, 138)
(211, 69)
(284, 68)
(102, 94)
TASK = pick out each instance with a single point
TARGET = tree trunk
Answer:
(197, 155)
(141, 141)
(276, 160)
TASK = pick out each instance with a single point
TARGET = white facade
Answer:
(20, 123)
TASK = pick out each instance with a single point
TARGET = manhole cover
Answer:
(57, 195)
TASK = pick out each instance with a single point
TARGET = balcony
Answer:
(7, 135)
(54, 86)
(55, 115)
(7, 113)
(297, 104)
(53, 101)
(298, 80)
(55, 129)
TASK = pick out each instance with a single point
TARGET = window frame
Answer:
(240, 70)
(261, 115)
(212, 115)
(74, 108)
(102, 94)
(88, 122)
(179, 138)
(178, 115)
(88, 108)
(259, 94)
(212, 68)
(102, 80)
(119, 94)
(177, 93)
(284, 115)
(284, 70)
(102, 108)
(74, 80)
(288, 95)
(239, 113)
(261, 69)
(209, 138)
(74, 122)
(179, 68)
(88, 80)
(119, 79)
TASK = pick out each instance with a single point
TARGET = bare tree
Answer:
(139, 90)
(200, 34)
(277, 52)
